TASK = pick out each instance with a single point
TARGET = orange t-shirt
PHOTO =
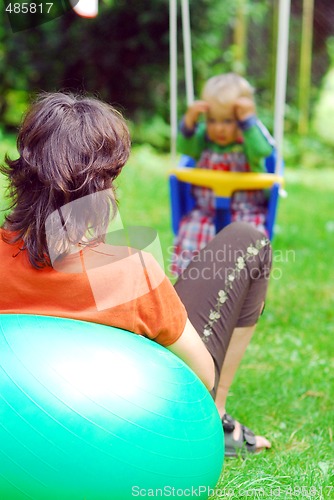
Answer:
(117, 286)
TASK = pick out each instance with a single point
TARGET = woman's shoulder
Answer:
(9, 239)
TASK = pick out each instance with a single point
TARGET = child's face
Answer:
(222, 126)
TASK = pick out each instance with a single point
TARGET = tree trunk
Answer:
(239, 38)
(305, 67)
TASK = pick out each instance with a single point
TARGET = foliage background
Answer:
(122, 55)
(285, 385)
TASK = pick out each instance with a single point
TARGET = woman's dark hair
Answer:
(70, 147)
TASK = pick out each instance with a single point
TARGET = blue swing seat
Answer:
(223, 184)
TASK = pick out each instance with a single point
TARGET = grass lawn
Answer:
(285, 386)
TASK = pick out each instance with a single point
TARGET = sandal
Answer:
(245, 444)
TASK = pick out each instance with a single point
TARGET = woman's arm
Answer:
(193, 352)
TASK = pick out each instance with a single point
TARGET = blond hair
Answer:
(226, 88)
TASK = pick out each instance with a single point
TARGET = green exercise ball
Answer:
(89, 411)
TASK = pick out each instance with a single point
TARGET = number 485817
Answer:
(29, 8)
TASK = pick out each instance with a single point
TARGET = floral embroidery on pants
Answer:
(214, 314)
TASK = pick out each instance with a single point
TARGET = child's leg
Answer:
(250, 207)
(195, 231)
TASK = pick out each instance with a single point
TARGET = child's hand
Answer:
(193, 112)
(244, 108)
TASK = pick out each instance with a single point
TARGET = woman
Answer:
(54, 259)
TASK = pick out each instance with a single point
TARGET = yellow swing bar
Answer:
(226, 183)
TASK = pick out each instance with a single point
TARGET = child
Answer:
(232, 139)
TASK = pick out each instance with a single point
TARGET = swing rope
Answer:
(173, 65)
(173, 75)
(187, 52)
